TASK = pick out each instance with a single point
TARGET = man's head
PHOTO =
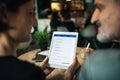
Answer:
(107, 17)
(20, 17)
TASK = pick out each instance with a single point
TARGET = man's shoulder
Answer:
(111, 51)
(102, 65)
(102, 57)
(105, 53)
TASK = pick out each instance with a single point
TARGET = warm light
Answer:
(56, 6)
(68, 0)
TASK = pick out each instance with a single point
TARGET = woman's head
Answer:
(19, 16)
(13, 5)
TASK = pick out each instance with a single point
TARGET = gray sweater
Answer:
(101, 65)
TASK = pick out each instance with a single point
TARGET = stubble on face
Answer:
(105, 28)
(109, 25)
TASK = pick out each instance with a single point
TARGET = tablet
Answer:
(62, 49)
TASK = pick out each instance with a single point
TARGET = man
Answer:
(104, 64)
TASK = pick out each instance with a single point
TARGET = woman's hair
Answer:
(117, 2)
(11, 6)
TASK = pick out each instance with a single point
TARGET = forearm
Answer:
(68, 76)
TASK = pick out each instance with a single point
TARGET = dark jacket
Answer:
(13, 69)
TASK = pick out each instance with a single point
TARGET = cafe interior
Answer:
(62, 16)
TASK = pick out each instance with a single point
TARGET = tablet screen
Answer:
(62, 49)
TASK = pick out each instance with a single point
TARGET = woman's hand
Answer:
(47, 70)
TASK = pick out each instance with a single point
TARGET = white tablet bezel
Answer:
(74, 53)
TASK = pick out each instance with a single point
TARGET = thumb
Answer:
(44, 63)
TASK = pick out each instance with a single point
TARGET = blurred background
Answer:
(66, 16)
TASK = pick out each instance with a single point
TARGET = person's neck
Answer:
(7, 46)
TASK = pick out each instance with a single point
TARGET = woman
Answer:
(17, 17)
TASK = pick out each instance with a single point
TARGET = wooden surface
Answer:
(57, 73)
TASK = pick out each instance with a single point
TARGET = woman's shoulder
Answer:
(18, 67)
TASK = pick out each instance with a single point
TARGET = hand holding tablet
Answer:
(62, 49)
